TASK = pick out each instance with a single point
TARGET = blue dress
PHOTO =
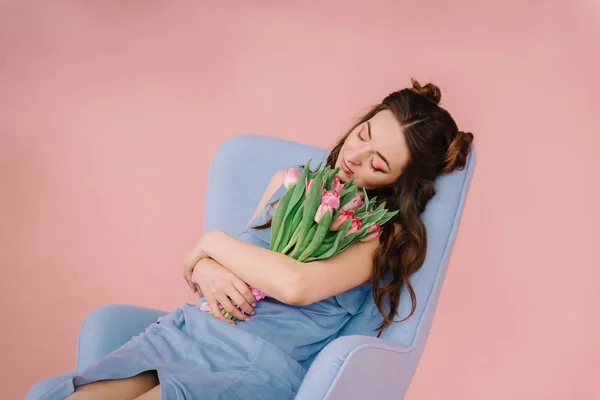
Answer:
(202, 358)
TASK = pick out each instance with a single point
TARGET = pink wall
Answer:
(110, 112)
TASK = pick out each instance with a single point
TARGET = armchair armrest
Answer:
(109, 327)
(350, 367)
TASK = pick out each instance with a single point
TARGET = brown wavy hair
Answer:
(436, 146)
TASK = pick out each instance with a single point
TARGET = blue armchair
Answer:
(354, 363)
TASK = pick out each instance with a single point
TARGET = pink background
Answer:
(111, 111)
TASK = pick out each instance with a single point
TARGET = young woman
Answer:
(395, 152)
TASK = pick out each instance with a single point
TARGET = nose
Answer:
(356, 156)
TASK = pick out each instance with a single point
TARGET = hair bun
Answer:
(456, 156)
(430, 91)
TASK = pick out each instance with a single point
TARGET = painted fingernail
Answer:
(247, 319)
(253, 304)
(253, 313)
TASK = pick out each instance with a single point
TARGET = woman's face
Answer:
(374, 153)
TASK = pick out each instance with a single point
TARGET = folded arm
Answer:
(273, 273)
(283, 277)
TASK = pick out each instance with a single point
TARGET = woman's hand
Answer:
(219, 285)
(192, 258)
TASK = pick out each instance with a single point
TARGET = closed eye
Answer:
(373, 167)
(371, 163)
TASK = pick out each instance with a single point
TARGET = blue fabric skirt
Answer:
(197, 357)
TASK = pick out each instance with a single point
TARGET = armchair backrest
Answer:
(243, 166)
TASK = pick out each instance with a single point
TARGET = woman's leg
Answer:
(117, 389)
(153, 394)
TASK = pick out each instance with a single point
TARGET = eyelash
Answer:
(371, 163)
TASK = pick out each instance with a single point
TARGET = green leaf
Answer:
(327, 251)
(291, 243)
(330, 175)
(348, 240)
(287, 229)
(298, 215)
(373, 218)
(311, 204)
(372, 204)
(387, 217)
(295, 223)
(318, 238)
(277, 219)
(327, 243)
(346, 195)
(300, 247)
(317, 170)
(380, 207)
(296, 193)
(365, 205)
(330, 237)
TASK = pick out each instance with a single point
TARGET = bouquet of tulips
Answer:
(319, 216)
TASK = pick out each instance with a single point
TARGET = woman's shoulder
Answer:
(279, 175)
(281, 172)
(272, 190)
(276, 186)
(276, 181)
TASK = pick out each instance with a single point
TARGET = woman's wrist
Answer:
(206, 243)
(197, 254)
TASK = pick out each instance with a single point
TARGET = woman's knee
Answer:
(38, 390)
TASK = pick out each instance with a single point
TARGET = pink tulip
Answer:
(331, 198)
(344, 216)
(355, 203)
(290, 178)
(375, 232)
(354, 226)
(258, 295)
(323, 208)
(308, 185)
(337, 184)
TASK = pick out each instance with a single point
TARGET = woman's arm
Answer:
(221, 286)
(274, 273)
(227, 250)
(286, 279)
(283, 277)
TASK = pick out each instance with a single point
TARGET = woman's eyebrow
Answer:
(378, 153)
